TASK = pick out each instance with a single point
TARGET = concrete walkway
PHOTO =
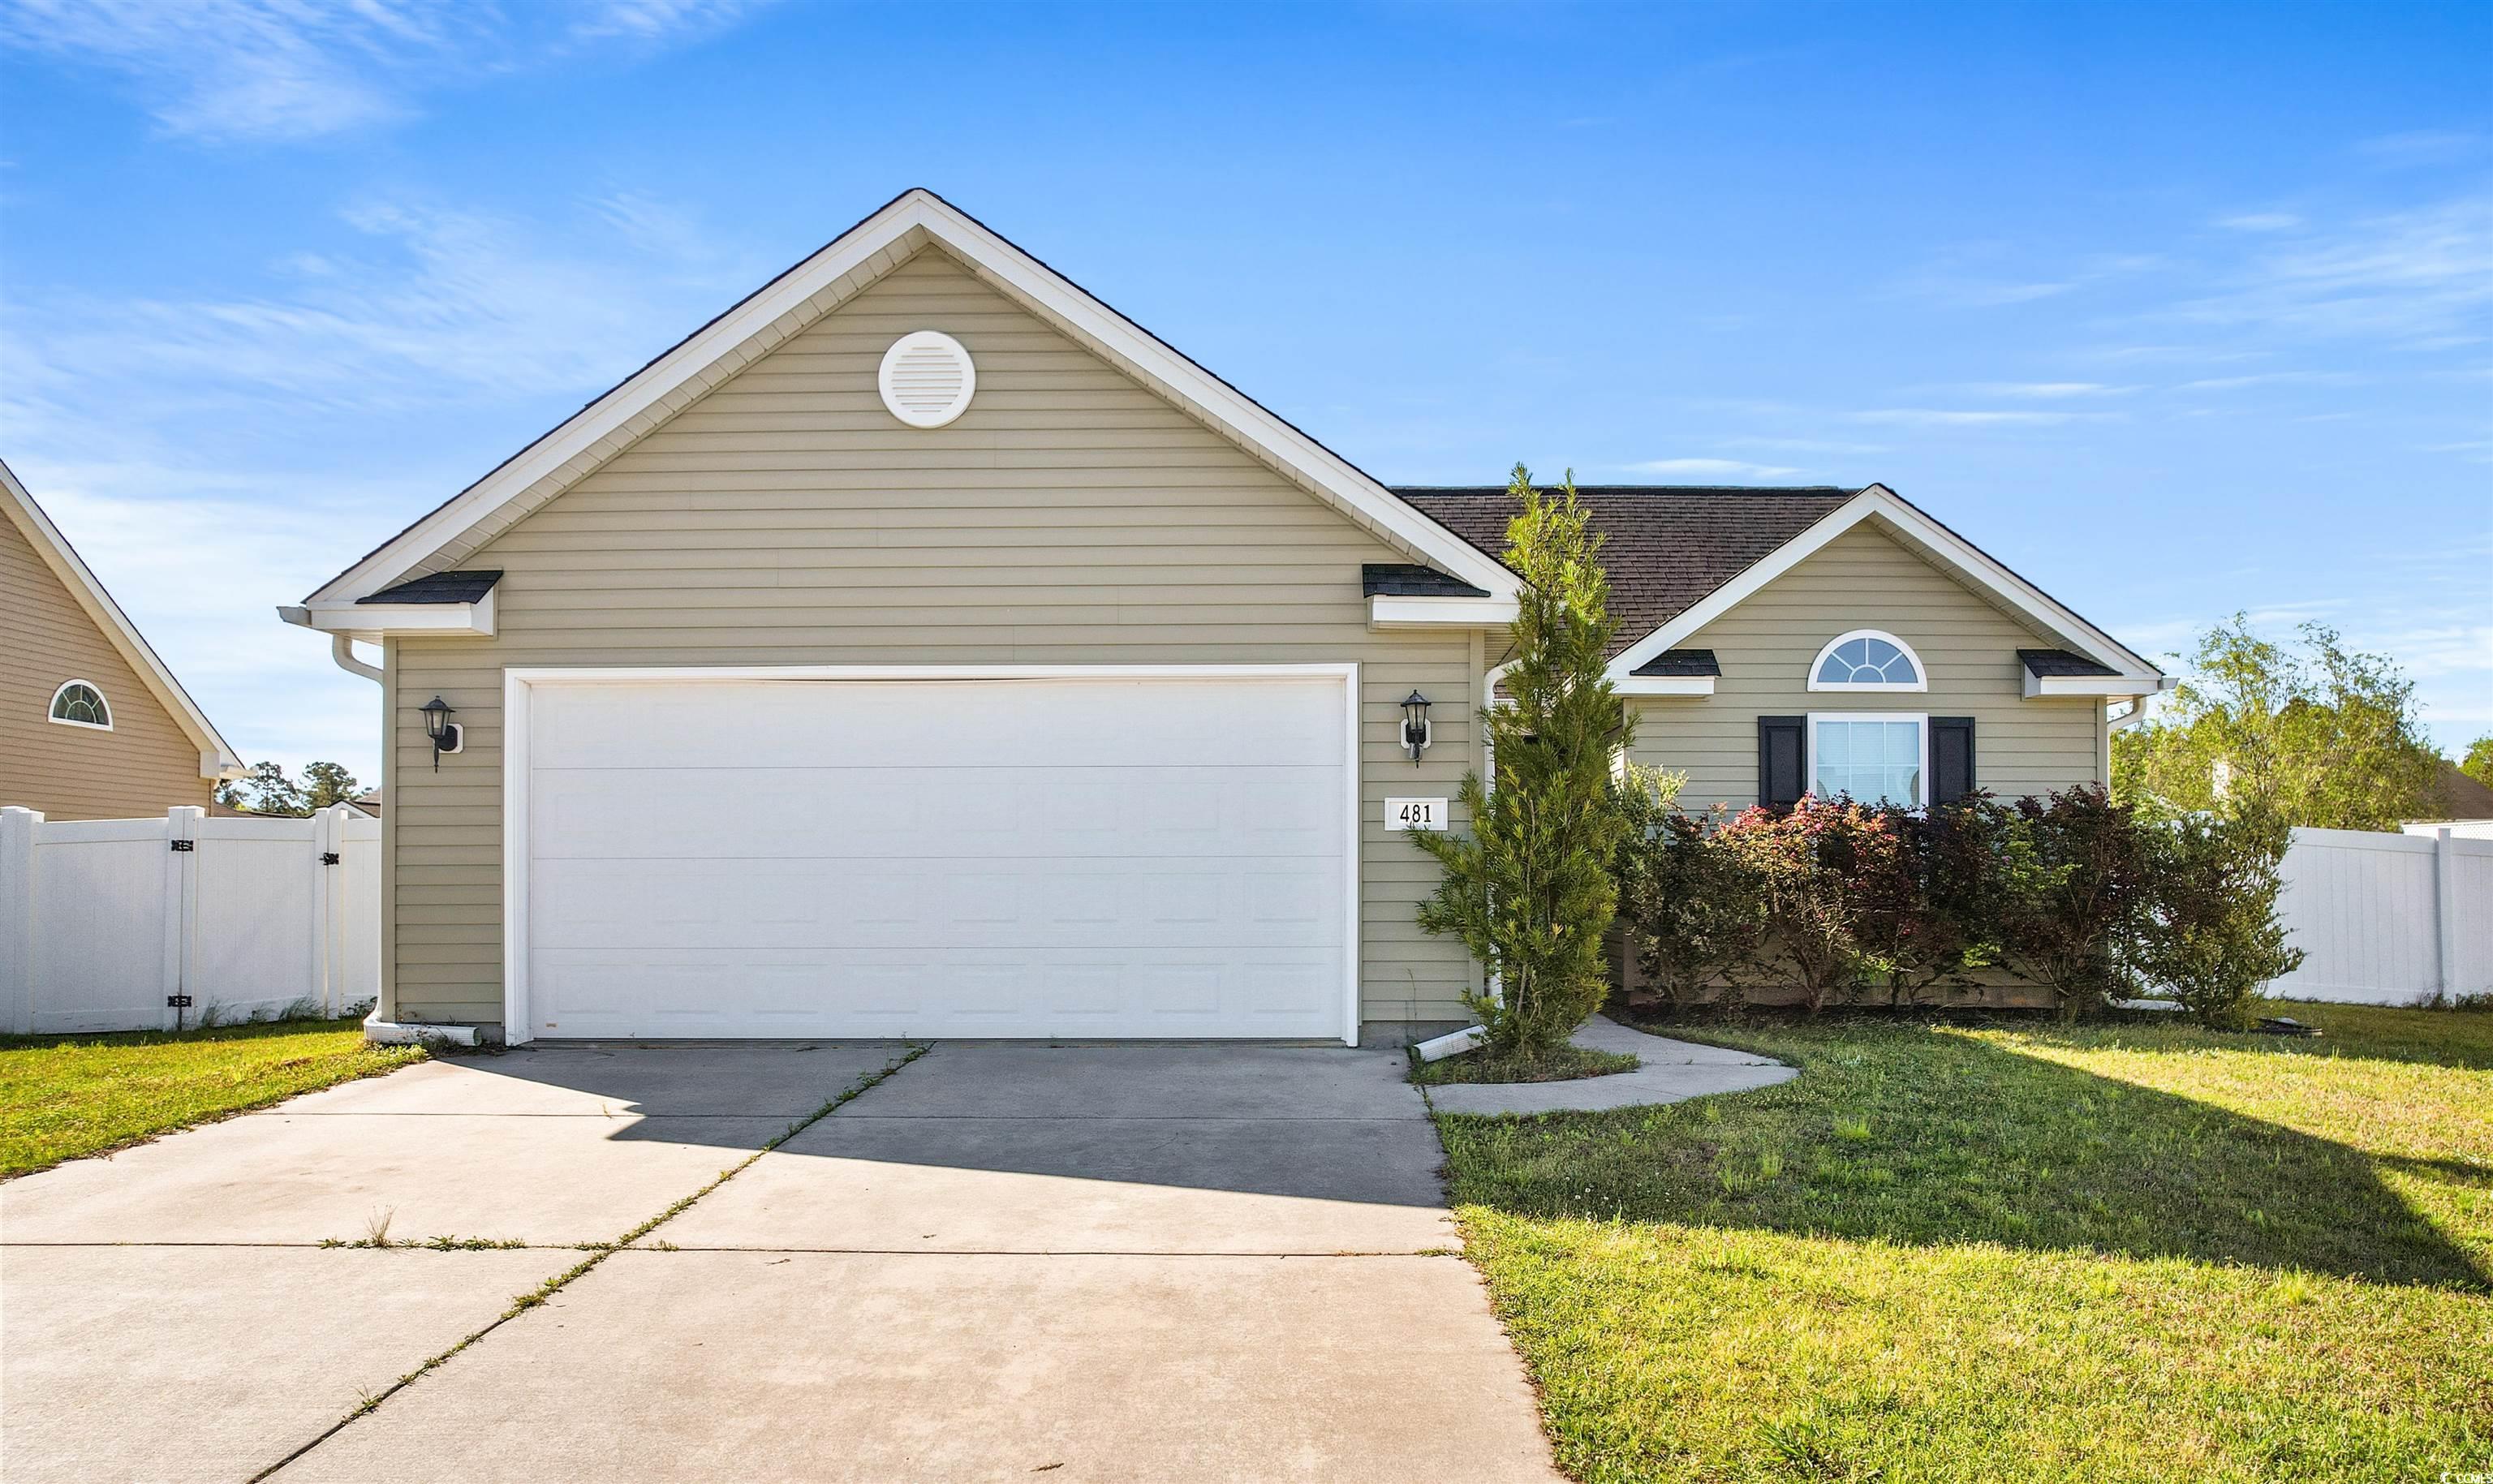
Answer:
(1100, 1262)
(1672, 1072)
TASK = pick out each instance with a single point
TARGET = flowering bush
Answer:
(1824, 871)
(1845, 901)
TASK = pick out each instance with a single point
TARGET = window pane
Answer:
(1870, 761)
(1867, 661)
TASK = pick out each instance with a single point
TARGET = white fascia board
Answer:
(1385, 612)
(2118, 687)
(371, 622)
(1663, 685)
(1099, 327)
(216, 758)
(1953, 551)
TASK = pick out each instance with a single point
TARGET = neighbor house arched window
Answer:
(1867, 660)
(78, 703)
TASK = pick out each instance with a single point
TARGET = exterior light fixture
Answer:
(1415, 725)
(444, 733)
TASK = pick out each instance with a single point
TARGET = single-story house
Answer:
(923, 647)
(92, 723)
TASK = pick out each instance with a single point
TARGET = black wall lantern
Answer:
(1415, 725)
(444, 733)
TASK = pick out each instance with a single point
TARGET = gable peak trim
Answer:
(909, 222)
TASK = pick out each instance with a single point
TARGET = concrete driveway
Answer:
(1001, 1261)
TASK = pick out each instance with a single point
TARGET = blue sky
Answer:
(2177, 310)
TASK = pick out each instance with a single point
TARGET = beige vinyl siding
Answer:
(145, 765)
(1864, 578)
(1069, 516)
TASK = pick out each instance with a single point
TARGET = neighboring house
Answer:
(924, 648)
(92, 725)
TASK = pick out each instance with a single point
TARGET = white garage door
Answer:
(1090, 858)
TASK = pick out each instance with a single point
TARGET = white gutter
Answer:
(342, 646)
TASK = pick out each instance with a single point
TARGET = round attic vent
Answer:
(927, 378)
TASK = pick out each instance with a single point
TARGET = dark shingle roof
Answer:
(2060, 662)
(1665, 545)
(438, 587)
(1392, 581)
(1681, 662)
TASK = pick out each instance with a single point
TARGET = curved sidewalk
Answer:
(1672, 1072)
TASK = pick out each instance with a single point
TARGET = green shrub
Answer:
(1691, 909)
(2211, 937)
(2070, 893)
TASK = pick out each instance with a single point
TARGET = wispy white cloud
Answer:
(2423, 276)
(2262, 221)
(654, 19)
(233, 70)
(1970, 417)
(445, 303)
(2422, 147)
(2046, 391)
(2271, 378)
(1714, 468)
(1804, 445)
(1979, 275)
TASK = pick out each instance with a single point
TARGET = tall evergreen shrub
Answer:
(1528, 890)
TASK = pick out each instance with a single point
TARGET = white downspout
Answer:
(343, 650)
(1488, 773)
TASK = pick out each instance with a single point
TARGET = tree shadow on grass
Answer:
(1908, 1135)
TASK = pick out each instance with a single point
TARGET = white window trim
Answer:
(518, 680)
(1921, 672)
(62, 720)
(1809, 739)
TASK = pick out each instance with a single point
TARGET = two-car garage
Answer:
(1110, 852)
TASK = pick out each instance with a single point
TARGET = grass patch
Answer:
(1564, 1064)
(2014, 1250)
(64, 1097)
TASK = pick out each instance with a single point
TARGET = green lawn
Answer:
(2022, 1250)
(62, 1097)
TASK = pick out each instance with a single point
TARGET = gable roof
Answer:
(804, 294)
(1664, 546)
(216, 759)
(1679, 557)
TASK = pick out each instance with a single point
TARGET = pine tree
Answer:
(1529, 890)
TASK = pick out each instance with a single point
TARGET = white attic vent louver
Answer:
(927, 379)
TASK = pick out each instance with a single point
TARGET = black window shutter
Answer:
(1781, 759)
(1951, 758)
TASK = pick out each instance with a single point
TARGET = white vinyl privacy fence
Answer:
(154, 923)
(2388, 919)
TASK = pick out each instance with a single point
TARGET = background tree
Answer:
(269, 791)
(2279, 735)
(328, 783)
(1528, 890)
(2478, 764)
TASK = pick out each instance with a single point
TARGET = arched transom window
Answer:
(78, 703)
(1867, 660)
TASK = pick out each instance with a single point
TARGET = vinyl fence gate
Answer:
(155, 923)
